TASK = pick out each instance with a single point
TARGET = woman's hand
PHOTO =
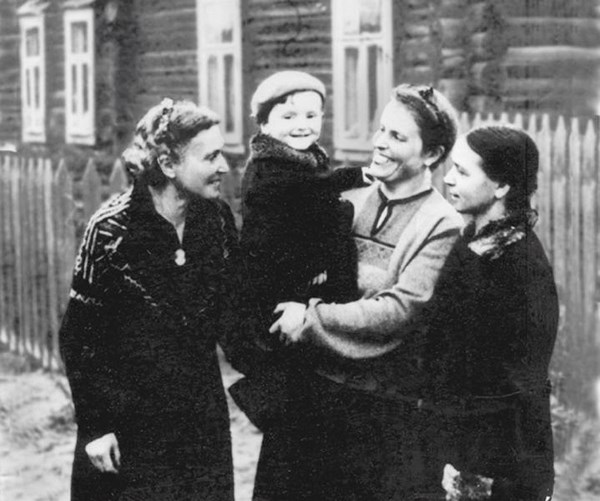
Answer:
(104, 453)
(289, 324)
(320, 279)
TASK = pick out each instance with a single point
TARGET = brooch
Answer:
(179, 257)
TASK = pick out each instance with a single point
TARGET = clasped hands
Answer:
(289, 324)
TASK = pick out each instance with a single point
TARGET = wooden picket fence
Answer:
(39, 217)
(41, 221)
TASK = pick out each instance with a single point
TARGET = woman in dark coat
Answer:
(153, 288)
(493, 324)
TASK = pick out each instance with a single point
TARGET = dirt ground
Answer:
(37, 437)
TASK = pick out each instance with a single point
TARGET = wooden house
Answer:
(76, 75)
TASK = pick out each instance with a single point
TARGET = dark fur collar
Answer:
(495, 238)
(264, 147)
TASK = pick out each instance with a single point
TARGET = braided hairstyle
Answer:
(435, 116)
(166, 128)
(509, 156)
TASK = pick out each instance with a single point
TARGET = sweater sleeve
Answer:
(377, 325)
(83, 338)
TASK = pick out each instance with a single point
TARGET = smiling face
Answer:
(201, 165)
(470, 190)
(296, 122)
(398, 155)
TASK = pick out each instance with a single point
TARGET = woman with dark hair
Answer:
(493, 323)
(153, 289)
(360, 420)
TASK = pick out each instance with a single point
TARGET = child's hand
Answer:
(289, 324)
(320, 279)
(460, 486)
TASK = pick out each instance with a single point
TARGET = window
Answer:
(220, 66)
(79, 76)
(362, 70)
(33, 78)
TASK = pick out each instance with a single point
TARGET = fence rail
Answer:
(39, 216)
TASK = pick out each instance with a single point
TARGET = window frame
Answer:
(80, 129)
(233, 139)
(35, 132)
(347, 147)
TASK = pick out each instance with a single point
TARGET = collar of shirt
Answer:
(386, 206)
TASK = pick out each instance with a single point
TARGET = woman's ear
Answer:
(434, 155)
(501, 191)
(166, 165)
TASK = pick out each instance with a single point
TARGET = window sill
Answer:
(84, 140)
(234, 149)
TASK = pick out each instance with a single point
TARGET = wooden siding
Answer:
(554, 56)
(539, 55)
(454, 55)
(166, 42)
(10, 108)
(417, 41)
(280, 35)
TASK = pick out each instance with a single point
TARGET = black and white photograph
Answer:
(299, 250)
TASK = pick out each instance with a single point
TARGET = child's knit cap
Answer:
(282, 83)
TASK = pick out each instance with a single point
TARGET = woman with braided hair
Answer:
(152, 290)
(492, 328)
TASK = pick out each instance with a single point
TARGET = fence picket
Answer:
(32, 292)
(8, 253)
(544, 193)
(559, 216)
(588, 231)
(4, 242)
(91, 188)
(574, 276)
(51, 257)
(559, 239)
(41, 267)
(64, 224)
(518, 121)
(16, 226)
(118, 181)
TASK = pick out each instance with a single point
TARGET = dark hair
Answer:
(509, 157)
(264, 109)
(166, 128)
(435, 116)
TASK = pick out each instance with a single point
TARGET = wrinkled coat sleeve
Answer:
(83, 338)
(374, 326)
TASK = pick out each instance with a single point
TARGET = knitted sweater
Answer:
(378, 336)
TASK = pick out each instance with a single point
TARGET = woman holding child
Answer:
(481, 425)
(350, 432)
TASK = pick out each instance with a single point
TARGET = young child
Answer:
(296, 233)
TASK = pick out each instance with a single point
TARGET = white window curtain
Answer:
(362, 70)
(33, 77)
(79, 76)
